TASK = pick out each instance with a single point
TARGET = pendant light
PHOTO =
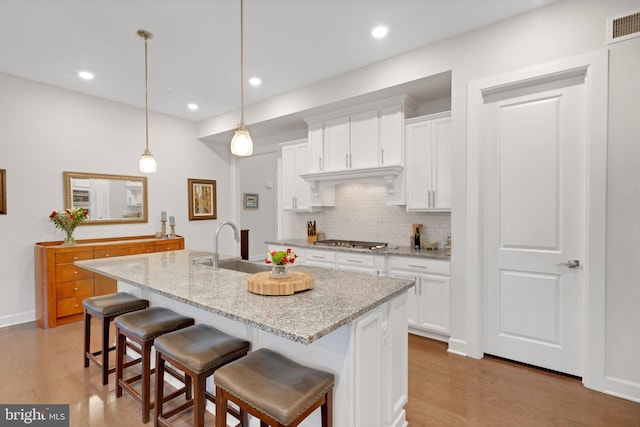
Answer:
(147, 162)
(241, 144)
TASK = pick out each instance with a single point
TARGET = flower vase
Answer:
(280, 272)
(69, 240)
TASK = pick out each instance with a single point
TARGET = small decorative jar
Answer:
(280, 271)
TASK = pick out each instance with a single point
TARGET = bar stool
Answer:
(142, 328)
(276, 390)
(198, 351)
(105, 308)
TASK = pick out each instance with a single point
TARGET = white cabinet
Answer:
(381, 365)
(359, 263)
(428, 165)
(364, 140)
(320, 258)
(391, 135)
(336, 144)
(316, 147)
(296, 195)
(429, 300)
(367, 136)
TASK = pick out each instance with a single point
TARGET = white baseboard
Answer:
(16, 319)
(624, 389)
(458, 347)
(428, 334)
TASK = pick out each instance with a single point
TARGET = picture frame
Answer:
(251, 201)
(3, 191)
(202, 199)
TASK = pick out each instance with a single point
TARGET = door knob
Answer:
(572, 263)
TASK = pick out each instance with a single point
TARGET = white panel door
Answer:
(535, 222)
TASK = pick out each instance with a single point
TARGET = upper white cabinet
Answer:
(336, 144)
(428, 165)
(363, 137)
(295, 191)
(296, 194)
(391, 135)
(316, 147)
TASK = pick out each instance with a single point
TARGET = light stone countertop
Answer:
(337, 298)
(391, 250)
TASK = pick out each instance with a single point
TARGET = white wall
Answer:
(623, 210)
(562, 30)
(258, 174)
(45, 131)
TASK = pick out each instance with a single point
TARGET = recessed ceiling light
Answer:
(193, 106)
(85, 75)
(380, 31)
(255, 81)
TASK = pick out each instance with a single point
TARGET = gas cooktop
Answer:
(352, 244)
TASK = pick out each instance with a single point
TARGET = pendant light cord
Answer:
(146, 95)
(242, 64)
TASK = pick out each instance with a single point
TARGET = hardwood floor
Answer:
(450, 390)
(45, 366)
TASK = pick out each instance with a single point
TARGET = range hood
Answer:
(390, 176)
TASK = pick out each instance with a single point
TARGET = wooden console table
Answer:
(61, 286)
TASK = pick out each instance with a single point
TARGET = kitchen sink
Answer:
(243, 266)
(234, 264)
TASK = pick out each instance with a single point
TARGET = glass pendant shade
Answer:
(241, 144)
(147, 162)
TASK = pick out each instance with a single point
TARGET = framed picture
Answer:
(202, 199)
(250, 201)
(3, 191)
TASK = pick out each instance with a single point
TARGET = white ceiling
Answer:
(194, 54)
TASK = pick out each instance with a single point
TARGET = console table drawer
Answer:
(74, 289)
(69, 306)
(70, 257)
(68, 272)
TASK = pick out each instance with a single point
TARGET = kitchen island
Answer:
(350, 324)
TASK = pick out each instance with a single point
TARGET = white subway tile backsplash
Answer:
(361, 213)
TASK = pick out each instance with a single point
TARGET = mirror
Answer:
(109, 199)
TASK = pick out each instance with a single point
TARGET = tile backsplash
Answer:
(361, 213)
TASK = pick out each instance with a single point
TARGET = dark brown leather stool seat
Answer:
(105, 308)
(142, 328)
(198, 351)
(274, 389)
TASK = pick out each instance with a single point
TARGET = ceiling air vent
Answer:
(623, 27)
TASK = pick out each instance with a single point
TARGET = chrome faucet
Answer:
(214, 258)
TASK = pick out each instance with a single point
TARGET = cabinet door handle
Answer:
(355, 260)
(350, 163)
(319, 163)
(419, 266)
(435, 203)
(346, 160)
(382, 151)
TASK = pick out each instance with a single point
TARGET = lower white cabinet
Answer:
(320, 258)
(381, 365)
(359, 263)
(429, 300)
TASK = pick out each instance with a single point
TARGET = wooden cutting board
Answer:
(263, 284)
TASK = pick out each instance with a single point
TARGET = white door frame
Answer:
(595, 66)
